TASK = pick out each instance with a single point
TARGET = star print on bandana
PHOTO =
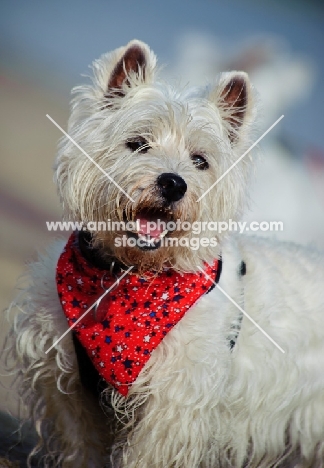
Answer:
(138, 313)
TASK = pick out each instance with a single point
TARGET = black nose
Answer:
(172, 186)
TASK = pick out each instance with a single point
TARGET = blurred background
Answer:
(46, 45)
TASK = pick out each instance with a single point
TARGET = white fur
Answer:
(196, 403)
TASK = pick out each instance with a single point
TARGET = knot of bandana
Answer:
(134, 316)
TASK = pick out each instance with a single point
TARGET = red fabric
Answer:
(138, 313)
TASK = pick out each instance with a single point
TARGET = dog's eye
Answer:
(138, 144)
(199, 161)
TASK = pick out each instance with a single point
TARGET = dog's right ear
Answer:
(128, 67)
(234, 98)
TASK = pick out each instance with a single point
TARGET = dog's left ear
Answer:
(131, 65)
(234, 100)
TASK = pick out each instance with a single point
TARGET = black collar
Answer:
(95, 258)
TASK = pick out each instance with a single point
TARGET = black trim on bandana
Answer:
(89, 376)
(243, 268)
(218, 274)
(238, 326)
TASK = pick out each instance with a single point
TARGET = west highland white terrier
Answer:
(145, 344)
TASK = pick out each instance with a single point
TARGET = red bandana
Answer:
(135, 315)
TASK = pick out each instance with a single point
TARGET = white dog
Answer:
(175, 357)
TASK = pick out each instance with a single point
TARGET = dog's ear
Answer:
(130, 66)
(234, 98)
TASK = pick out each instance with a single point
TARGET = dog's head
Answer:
(150, 154)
